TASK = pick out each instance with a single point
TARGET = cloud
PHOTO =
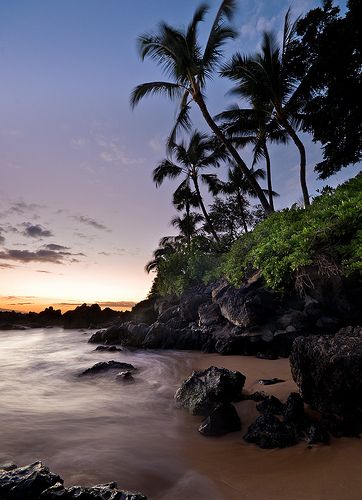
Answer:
(36, 231)
(3, 265)
(257, 25)
(90, 222)
(55, 247)
(2, 240)
(28, 256)
(22, 208)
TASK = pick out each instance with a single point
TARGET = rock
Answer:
(190, 303)
(163, 336)
(292, 318)
(294, 409)
(104, 366)
(112, 334)
(108, 348)
(144, 312)
(107, 491)
(328, 372)
(247, 306)
(168, 314)
(267, 355)
(8, 466)
(270, 381)
(26, 482)
(223, 419)
(209, 315)
(203, 390)
(270, 406)
(257, 396)
(269, 432)
(350, 331)
(125, 377)
(128, 333)
(317, 434)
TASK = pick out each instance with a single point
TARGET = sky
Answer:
(79, 214)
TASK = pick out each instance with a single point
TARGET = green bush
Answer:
(287, 241)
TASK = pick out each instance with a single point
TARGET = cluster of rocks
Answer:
(210, 393)
(249, 320)
(36, 482)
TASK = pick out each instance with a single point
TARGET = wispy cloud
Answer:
(88, 221)
(28, 256)
(55, 247)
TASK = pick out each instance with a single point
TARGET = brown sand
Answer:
(243, 471)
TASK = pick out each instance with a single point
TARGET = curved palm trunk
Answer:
(302, 172)
(188, 235)
(249, 177)
(203, 209)
(268, 175)
(242, 213)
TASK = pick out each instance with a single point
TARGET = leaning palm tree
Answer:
(167, 246)
(267, 78)
(187, 225)
(189, 65)
(254, 127)
(198, 154)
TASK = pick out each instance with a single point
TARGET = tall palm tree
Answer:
(167, 246)
(267, 78)
(254, 126)
(198, 154)
(189, 65)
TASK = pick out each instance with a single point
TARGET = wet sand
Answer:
(243, 471)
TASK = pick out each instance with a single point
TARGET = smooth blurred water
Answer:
(95, 429)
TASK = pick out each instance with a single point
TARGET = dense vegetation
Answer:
(309, 81)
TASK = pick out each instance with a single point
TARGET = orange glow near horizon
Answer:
(37, 304)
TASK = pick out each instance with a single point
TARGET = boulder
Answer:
(27, 482)
(292, 318)
(294, 409)
(163, 336)
(209, 315)
(270, 381)
(104, 366)
(190, 302)
(223, 419)
(328, 372)
(204, 390)
(350, 331)
(269, 432)
(247, 306)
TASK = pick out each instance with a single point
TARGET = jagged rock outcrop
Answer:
(104, 366)
(36, 482)
(222, 420)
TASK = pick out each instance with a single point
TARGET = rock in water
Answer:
(104, 366)
(270, 381)
(26, 482)
(204, 390)
(125, 377)
(223, 419)
(108, 348)
(328, 371)
(269, 432)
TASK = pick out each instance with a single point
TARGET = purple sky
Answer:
(79, 215)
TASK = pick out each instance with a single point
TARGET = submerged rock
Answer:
(270, 381)
(104, 366)
(125, 377)
(203, 390)
(269, 432)
(223, 419)
(108, 348)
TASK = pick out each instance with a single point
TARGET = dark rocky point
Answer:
(270, 406)
(125, 377)
(269, 432)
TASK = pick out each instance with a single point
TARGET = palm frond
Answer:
(170, 90)
(165, 170)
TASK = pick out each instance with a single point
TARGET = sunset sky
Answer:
(79, 215)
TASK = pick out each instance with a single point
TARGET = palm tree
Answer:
(167, 246)
(267, 78)
(254, 126)
(198, 154)
(189, 65)
(185, 199)
(187, 225)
